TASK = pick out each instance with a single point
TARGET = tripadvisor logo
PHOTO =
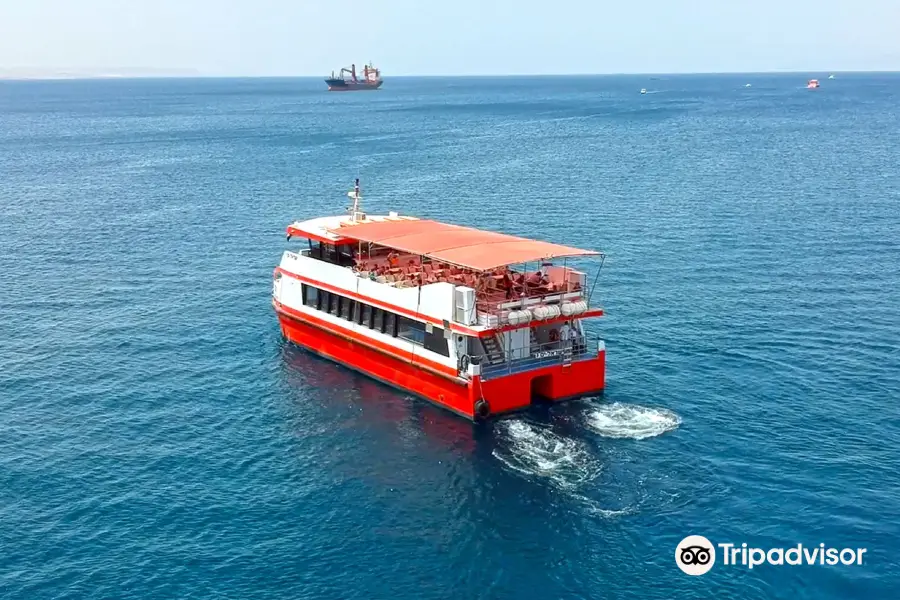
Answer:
(696, 555)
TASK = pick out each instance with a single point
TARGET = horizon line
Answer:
(180, 74)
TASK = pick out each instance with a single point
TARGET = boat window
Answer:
(338, 255)
(345, 256)
(347, 308)
(330, 253)
(376, 318)
(334, 304)
(410, 330)
(436, 342)
(310, 296)
(390, 323)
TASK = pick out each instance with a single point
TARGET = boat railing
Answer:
(495, 312)
(538, 356)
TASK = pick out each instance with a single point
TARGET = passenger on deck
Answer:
(520, 283)
(393, 259)
(537, 282)
(509, 285)
(565, 335)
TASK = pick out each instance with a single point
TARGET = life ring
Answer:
(554, 335)
(482, 409)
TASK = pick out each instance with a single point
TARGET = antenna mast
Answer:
(356, 213)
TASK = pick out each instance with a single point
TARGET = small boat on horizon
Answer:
(831, 77)
(643, 90)
(812, 84)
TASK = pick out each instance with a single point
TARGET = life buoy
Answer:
(554, 335)
(482, 409)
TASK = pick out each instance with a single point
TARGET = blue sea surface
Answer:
(159, 439)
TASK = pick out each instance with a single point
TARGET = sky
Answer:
(441, 37)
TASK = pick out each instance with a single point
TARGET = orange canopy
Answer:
(463, 246)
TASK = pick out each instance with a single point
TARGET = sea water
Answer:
(159, 439)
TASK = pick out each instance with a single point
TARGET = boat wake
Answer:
(630, 421)
(535, 450)
(573, 466)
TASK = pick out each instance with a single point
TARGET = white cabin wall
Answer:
(407, 298)
(335, 275)
(291, 292)
(436, 299)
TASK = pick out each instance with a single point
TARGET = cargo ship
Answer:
(477, 322)
(347, 79)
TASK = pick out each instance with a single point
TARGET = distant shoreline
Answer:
(22, 74)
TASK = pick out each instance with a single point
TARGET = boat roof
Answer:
(463, 246)
(320, 229)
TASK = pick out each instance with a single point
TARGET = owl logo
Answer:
(695, 555)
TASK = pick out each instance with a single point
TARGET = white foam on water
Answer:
(594, 508)
(630, 421)
(534, 450)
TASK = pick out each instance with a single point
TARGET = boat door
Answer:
(461, 345)
(462, 348)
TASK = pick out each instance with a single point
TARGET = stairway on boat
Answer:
(493, 350)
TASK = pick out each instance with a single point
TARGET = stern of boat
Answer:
(552, 374)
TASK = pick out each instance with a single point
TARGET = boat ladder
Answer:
(493, 350)
(567, 356)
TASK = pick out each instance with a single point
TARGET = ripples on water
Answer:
(159, 440)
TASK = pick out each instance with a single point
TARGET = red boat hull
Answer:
(436, 383)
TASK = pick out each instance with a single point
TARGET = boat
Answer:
(746, 85)
(643, 90)
(812, 83)
(347, 80)
(477, 322)
(831, 77)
